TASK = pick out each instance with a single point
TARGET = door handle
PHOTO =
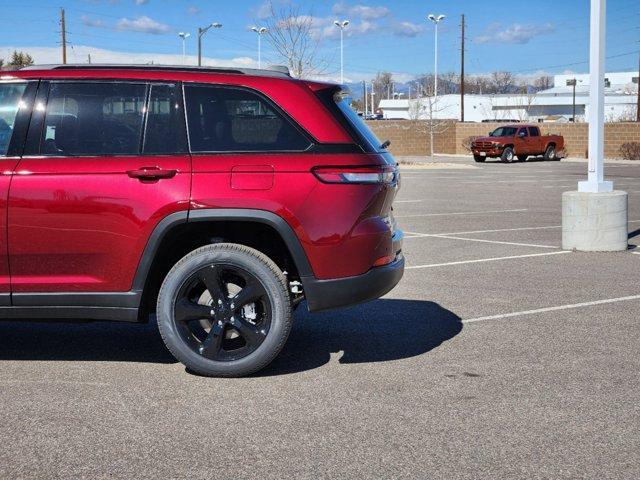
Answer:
(151, 173)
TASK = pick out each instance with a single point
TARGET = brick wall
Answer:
(412, 138)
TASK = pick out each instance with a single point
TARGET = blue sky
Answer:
(524, 37)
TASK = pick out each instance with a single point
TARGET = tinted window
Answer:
(534, 131)
(10, 98)
(523, 132)
(504, 132)
(223, 119)
(356, 122)
(94, 119)
(165, 131)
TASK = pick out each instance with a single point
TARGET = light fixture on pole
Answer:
(201, 32)
(436, 20)
(184, 37)
(341, 25)
(260, 31)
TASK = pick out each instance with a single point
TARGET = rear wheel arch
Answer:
(178, 234)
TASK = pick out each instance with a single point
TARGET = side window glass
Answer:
(94, 119)
(10, 103)
(534, 131)
(523, 132)
(165, 131)
(223, 119)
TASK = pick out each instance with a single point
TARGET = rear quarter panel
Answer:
(340, 226)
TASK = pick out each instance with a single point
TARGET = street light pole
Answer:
(595, 181)
(341, 25)
(184, 37)
(436, 20)
(201, 32)
(260, 31)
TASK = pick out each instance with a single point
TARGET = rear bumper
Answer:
(342, 292)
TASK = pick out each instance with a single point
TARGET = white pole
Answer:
(341, 55)
(595, 181)
(184, 50)
(373, 103)
(366, 100)
(259, 50)
(435, 88)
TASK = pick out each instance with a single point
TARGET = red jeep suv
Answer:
(216, 199)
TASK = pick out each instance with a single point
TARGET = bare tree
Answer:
(502, 82)
(383, 86)
(478, 84)
(430, 106)
(543, 82)
(291, 34)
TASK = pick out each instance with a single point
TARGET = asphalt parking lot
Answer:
(498, 356)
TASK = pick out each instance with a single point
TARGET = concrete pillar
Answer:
(594, 222)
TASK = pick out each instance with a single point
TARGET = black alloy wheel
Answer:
(224, 310)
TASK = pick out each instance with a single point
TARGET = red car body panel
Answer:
(81, 224)
(351, 235)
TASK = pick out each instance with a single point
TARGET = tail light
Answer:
(383, 174)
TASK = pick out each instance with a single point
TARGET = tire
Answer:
(224, 310)
(479, 159)
(522, 158)
(507, 155)
(550, 153)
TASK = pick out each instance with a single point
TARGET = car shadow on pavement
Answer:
(91, 341)
(377, 331)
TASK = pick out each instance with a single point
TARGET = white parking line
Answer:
(408, 201)
(461, 213)
(482, 260)
(492, 241)
(552, 309)
(497, 230)
(417, 234)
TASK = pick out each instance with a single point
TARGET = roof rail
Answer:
(274, 71)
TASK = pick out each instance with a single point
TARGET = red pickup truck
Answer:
(517, 141)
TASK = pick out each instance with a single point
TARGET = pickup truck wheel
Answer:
(478, 158)
(550, 153)
(224, 310)
(522, 158)
(507, 155)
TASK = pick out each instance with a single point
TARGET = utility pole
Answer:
(462, 74)
(89, 58)
(63, 29)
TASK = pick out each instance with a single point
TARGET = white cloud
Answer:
(360, 11)
(193, 10)
(91, 22)
(407, 29)
(516, 33)
(143, 24)
(78, 54)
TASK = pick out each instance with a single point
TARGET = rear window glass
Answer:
(365, 136)
(229, 119)
(10, 98)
